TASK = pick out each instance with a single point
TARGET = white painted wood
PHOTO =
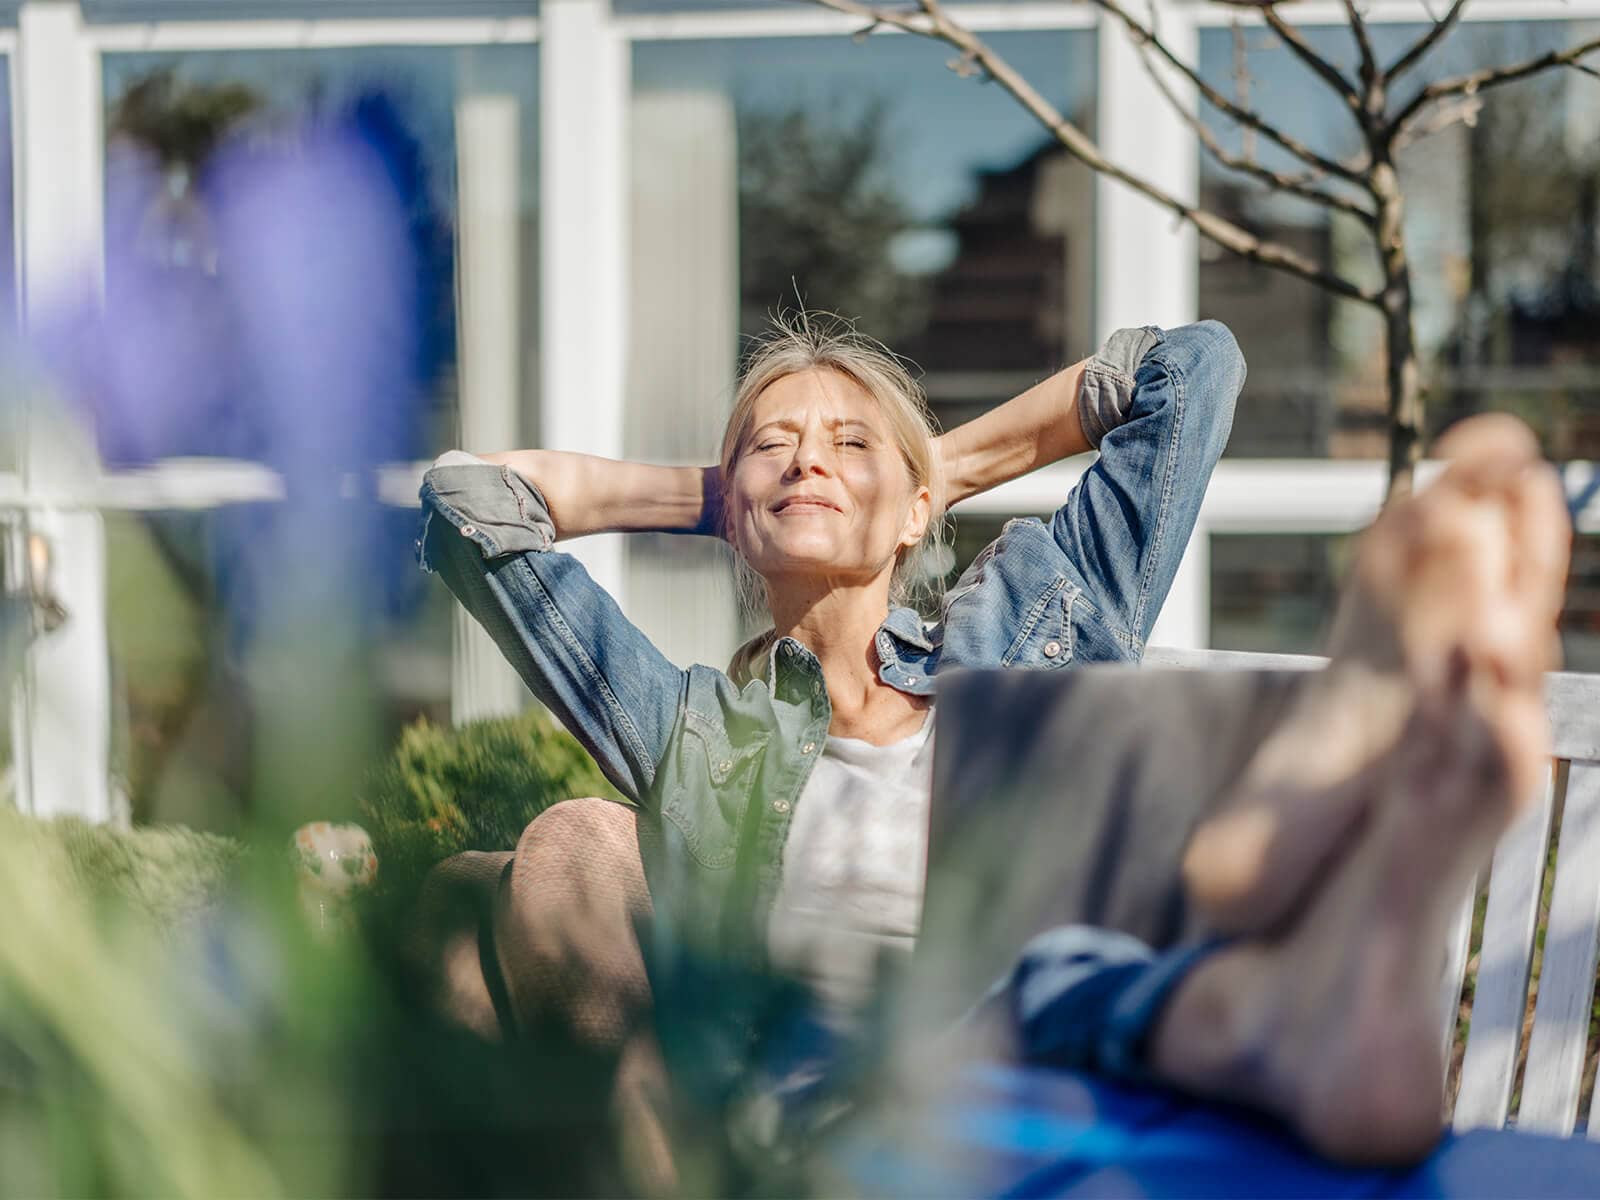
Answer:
(1332, 12)
(62, 733)
(1566, 981)
(684, 206)
(308, 35)
(583, 244)
(1455, 970)
(798, 20)
(1571, 700)
(1301, 495)
(488, 292)
(1500, 998)
(1146, 264)
(1185, 617)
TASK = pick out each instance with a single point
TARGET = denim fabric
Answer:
(717, 768)
(1087, 998)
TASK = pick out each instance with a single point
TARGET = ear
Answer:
(918, 516)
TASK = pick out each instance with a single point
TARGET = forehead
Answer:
(826, 393)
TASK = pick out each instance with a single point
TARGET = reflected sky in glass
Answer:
(943, 127)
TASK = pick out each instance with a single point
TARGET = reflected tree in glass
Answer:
(1388, 111)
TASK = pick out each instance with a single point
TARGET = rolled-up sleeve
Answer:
(487, 533)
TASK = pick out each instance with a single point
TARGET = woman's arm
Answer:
(1033, 430)
(587, 494)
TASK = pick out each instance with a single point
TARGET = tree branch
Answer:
(1425, 43)
(1477, 81)
(1294, 185)
(1303, 51)
(1369, 60)
(933, 23)
(1143, 36)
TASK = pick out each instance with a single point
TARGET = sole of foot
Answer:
(1464, 579)
(1370, 811)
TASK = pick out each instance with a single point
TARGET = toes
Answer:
(1479, 446)
(1542, 537)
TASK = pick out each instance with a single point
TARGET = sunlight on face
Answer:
(820, 488)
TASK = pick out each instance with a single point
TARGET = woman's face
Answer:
(820, 488)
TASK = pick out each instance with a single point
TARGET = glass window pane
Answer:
(187, 221)
(1501, 220)
(867, 180)
(1274, 592)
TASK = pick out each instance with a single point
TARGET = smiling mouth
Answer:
(805, 503)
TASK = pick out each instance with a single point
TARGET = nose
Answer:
(812, 456)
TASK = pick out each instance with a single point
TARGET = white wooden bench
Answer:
(1553, 1079)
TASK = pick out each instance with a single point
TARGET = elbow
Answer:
(1222, 357)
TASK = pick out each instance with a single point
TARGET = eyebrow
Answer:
(791, 426)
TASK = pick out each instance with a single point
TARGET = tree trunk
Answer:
(1405, 392)
(1403, 376)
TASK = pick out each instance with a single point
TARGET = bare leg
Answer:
(566, 938)
(1367, 816)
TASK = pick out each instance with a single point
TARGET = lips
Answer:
(805, 503)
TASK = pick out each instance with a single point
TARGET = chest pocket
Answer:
(708, 793)
(1046, 637)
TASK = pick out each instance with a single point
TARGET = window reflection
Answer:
(182, 130)
(1501, 224)
(863, 179)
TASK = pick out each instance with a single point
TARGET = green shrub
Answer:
(475, 787)
(165, 874)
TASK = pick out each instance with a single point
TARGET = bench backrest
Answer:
(1563, 826)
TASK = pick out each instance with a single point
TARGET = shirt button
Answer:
(725, 765)
(1051, 649)
(816, 684)
(808, 748)
(780, 806)
(468, 530)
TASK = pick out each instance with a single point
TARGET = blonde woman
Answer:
(781, 808)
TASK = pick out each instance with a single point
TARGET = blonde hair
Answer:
(810, 341)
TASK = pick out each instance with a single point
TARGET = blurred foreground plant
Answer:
(475, 787)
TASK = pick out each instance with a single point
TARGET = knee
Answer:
(575, 852)
(590, 822)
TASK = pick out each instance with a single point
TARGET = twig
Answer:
(1246, 164)
(932, 22)
(1369, 60)
(1302, 50)
(1463, 110)
(1425, 43)
(1355, 174)
(1242, 80)
(1477, 81)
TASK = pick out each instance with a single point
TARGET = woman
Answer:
(760, 837)
(780, 809)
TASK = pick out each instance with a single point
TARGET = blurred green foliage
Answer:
(167, 875)
(475, 787)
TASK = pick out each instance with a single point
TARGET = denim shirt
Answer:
(717, 768)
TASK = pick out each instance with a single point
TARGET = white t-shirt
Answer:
(853, 867)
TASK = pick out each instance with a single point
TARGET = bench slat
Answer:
(1570, 699)
(1500, 998)
(1455, 971)
(1566, 982)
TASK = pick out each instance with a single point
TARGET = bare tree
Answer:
(1365, 187)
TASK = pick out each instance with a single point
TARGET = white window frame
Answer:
(1145, 268)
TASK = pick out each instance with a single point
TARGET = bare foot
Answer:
(1405, 764)
(1466, 577)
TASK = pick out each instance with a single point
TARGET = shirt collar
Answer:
(904, 625)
